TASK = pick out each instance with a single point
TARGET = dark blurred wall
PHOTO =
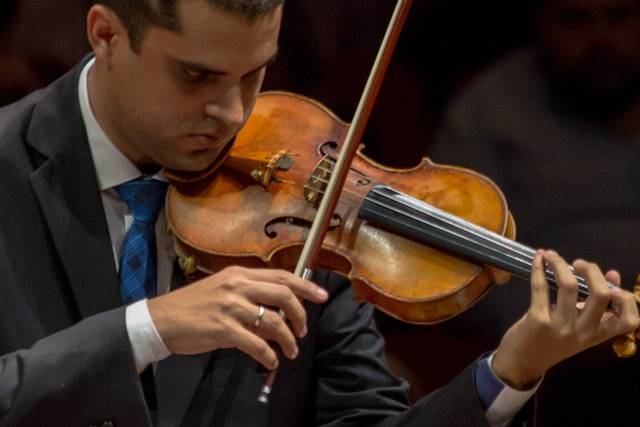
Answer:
(39, 41)
(327, 48)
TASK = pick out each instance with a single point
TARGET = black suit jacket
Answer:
(65, 355)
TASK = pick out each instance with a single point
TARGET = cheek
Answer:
(249, 103)
(166, 100)
(250, 94)
(173, 113)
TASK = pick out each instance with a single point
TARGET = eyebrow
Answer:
(206, 70)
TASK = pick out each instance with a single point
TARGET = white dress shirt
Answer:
(113, 169)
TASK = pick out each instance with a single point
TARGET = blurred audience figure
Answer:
(557, 127)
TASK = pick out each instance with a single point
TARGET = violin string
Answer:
(325, 181)
(492, 241)
(353, 181)
(330, 171)
(482, 239)
(480, 236)
(343, 201)
(526, 254)
(520, 264)
(520, 271)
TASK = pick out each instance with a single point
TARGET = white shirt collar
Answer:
(112, 167)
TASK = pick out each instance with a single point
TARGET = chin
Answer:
(192, 163)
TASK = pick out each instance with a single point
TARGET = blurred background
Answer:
(327, 48)
(540, 95)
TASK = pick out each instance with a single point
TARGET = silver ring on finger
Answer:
(261, 311)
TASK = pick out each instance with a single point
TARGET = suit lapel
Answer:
(66, 188)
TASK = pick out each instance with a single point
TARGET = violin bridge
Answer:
(317, 183)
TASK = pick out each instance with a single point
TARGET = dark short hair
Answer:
(138, 15)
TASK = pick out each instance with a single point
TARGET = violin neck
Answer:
(389, 209)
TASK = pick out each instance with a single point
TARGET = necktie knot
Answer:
(144, 197)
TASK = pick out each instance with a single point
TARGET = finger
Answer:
(282, 297)
(271, 324)
(613, 277)
(565, 311)
(599, 295)
(624, 318)
(626, 308)
(539, 285)
(254, 346)
(274, 328)
(302, 288)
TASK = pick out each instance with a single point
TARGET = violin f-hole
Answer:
(271, 226)
(328, 148)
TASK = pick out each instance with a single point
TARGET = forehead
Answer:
(219, 38)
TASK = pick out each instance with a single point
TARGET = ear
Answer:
(105, 32)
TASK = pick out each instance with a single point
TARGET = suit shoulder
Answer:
(15, 117)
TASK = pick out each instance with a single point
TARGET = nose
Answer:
(228, 108)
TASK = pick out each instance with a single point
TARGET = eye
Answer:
(193, 75)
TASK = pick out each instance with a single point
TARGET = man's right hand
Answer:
(220, 310)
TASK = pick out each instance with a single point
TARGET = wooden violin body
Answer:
(256, 209)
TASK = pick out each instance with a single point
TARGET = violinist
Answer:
(95, 327)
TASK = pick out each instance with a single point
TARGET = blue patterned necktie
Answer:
(138, 258)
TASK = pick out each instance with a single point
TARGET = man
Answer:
(170, 85)
(556, 126)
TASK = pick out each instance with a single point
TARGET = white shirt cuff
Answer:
(508, 401)
(146, 343)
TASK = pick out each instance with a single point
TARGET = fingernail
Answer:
(304, 331)
(321, 292)
(615, 289)
(294, 353)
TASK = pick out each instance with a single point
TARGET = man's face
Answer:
(183, 96)
(592, 45)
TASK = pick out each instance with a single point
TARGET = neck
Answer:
(105, 111)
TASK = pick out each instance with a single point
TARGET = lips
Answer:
(205, 141)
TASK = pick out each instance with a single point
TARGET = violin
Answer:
(257, 209)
